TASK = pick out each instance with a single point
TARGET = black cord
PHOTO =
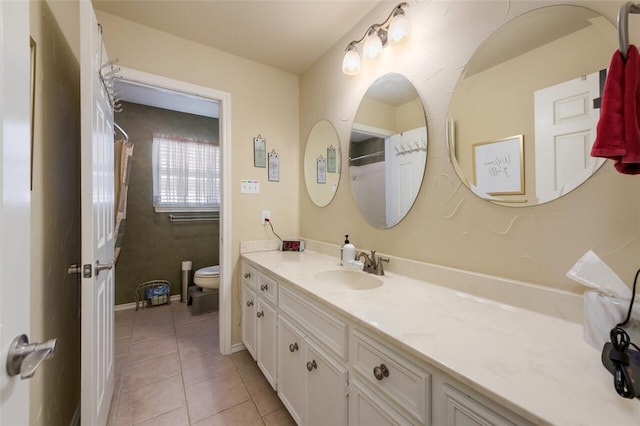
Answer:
(274, 232)
(633, 296)
(620, 341)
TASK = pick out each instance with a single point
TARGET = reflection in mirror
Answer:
(523, 115)
(322, 163)
(388, 150)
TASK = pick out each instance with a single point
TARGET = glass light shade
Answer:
(372, 46)
(399, 29)
(351, 62)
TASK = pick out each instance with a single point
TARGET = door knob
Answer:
(24, 358)
(104, 266)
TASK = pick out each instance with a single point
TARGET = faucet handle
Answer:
(380, 268)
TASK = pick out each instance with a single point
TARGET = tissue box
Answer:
(602, 313)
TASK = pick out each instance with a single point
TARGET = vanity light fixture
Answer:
(396, 29)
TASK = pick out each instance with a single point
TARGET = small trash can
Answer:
(186, 273)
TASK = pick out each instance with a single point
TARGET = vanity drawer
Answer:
(390, 374)
(268, 289)
(249, 275)
(324, 325)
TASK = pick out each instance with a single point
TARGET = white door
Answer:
(565, 123)
(97, 205)
(14, 201)
(404, 168)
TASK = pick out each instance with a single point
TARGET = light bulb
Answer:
(399, 29)
(351, 62)
(372, 46)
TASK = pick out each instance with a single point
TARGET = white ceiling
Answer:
(290, 35)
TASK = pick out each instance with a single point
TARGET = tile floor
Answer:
(169, 371)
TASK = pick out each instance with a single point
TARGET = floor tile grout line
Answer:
(236, 365)
(184, 386)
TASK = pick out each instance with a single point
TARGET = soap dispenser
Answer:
(348, 251)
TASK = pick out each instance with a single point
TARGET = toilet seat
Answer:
(208, 278)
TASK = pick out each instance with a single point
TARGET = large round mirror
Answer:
(322, 160)
(523, 115)
(388, 150)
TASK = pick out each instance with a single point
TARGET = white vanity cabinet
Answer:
(399, 387)
(312, 382)
(259, 320)
(249, 280)
(329, 370)
(464, 408)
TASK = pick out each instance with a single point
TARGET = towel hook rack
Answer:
(623, 26)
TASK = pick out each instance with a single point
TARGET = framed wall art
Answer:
(498, 166)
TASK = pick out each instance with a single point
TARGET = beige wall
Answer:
(263, 101)
(448, 225)
(55, 207)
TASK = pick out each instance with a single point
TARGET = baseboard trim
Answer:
(132, 305)
(237, 347)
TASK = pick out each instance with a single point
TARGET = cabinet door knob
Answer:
(247, 274)
(311, 365)
(264, 287)
(381, 372)
(260, 314)
(293, 347)
(250, 303)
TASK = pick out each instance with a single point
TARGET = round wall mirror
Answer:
(523, 115)
(388, 150)
(322, 163)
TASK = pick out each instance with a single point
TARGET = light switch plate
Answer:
(249, 186)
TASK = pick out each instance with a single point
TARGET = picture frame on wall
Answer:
(498, 166)
(331, 159)
(274, 166)
(259, 152)
(321, 170)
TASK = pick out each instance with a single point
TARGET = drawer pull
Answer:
(264, 287)
(293, 347)
(260, 314)
(381, 372)
(247, 274)
(311, 365)
(249, 303)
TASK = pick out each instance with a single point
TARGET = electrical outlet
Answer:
(266, 214)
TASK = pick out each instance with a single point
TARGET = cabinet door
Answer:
(462, 410)
(249, 319)
(291, 367)
(366, 408)
(266, 348)
(325, 388)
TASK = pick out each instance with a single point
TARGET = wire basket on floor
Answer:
(153, 293)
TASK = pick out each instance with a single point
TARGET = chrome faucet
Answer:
(372, 264)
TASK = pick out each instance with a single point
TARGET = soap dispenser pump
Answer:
(348, 251)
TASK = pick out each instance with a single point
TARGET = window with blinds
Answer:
(186, 174)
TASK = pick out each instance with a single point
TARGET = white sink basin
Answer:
(354, 280)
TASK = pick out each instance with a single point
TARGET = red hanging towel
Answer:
(610, 131)
(630, 161)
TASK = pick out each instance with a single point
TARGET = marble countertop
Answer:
(535, 365)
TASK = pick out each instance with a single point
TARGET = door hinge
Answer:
(87, 270)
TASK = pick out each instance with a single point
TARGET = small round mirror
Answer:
(388, 151)
(523, 115)
(322, 163)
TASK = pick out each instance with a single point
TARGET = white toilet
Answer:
(208, 278)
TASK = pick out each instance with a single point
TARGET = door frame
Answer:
(224, 99)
